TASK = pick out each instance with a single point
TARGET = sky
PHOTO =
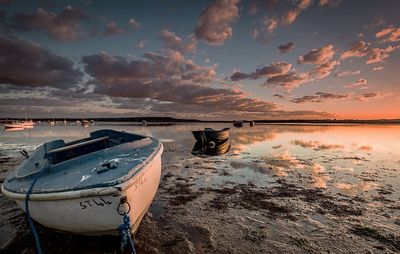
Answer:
(216, 59)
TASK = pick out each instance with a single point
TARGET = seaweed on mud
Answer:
(387, 239)
(182, 194)
(252, 199)
(304, 244)
(339, 209)
(256, 236)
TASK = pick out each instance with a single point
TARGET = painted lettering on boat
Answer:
(139, 182)
(94, 202)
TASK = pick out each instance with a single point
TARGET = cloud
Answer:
(255, 5)
(113, 29)
(290, 16)
(323, 70)
(134, 23)
(215, 21)
(173, 82)
(24, 63)
(347, 73)
(141, 44)
(379, 55)
(318, 56)
(279, 96)
(288, 81)
(357, 49)
(274, 69)
(64, 26)
(360, 49)
(373, 95)
(320, 97)
(174, 42)
(389, 34)
(358, 83)
(239, 76)
(377, 21)
(329, 2)
(286, 48)
(322, 59)
(378, 68)
(263, 33)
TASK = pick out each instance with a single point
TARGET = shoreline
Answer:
(188, 216)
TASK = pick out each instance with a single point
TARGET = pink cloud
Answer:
(290, 16)
(378, 68)
(357, 49)
(389, 34)
(358, 83)
(174, 42)
(378, 55)
(215, 21)
(264, 31)
(347, 73)
(318, 56)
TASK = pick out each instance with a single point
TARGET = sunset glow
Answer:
(217, 59)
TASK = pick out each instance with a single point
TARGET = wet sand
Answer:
(212, 205)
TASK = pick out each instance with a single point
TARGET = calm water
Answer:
(350, 159)
(351, 167)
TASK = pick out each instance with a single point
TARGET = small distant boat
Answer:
(238, 124)
(84, 184)
(85, 123)
(13, 125)
(209, 134)
(213, 148)
(28, 124)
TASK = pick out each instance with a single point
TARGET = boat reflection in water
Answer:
(14, 129)
(212, 148)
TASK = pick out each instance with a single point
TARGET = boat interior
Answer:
(97, 141)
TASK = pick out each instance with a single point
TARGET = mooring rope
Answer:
(28, 214)
(125, 228)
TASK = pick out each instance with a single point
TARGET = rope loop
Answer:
(125, 228)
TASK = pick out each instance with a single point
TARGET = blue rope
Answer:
(125, 232)
(28, 215)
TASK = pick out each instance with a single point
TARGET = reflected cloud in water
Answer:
(316, 145)
(352, 189)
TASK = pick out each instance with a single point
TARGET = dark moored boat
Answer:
(238, 124)
(212, 148)
(209, 134)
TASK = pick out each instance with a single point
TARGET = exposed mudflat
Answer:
(242, 202)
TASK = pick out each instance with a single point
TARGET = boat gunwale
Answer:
(79, 193)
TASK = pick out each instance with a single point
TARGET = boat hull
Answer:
(96, 213)
(13, 125)
(211, 135)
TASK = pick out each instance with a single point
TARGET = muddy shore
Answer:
(202, 207)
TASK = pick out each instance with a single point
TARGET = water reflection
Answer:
(316, 145)
(352, 189)
(332, 157)
(212, 148)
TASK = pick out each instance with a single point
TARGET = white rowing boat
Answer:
(84, 186)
